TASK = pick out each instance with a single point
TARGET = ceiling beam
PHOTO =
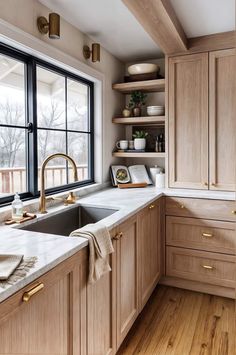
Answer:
(212, 42)
(160, 21)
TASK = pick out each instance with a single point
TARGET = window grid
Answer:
(31, 128)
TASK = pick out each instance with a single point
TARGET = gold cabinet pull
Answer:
(28, 294)
(151, 207)
(208, 267)
(213, 184)
(234, 212)
(205, 183)
(207, 235)
(118, 236)
(182, 206)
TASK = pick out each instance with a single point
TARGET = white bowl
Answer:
(143, 68)
(156, 111)
(155, 107)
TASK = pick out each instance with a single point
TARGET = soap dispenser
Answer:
(17, 208)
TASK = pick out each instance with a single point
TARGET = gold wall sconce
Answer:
(52, 27)
(95, 52)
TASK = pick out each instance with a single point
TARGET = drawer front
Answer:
(201, 208)
(210, 268)
(202, 234)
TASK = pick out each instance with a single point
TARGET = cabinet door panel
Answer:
(54, 320)
(188, 121)
(127, 279)
(149, 250)
(222, 110)
(101, 304)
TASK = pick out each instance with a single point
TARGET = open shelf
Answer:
(156, 85)
(138, 155)
(139, 120)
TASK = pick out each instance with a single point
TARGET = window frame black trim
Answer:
(31, 63)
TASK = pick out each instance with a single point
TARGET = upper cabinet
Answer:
(202, 91)
(222, 119)
(188, 121)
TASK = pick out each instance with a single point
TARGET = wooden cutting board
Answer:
(131, 185)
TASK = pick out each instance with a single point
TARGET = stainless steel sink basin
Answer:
(66, 221)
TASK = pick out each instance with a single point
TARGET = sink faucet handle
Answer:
(71, 198)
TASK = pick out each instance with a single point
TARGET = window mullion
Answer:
(32, 137)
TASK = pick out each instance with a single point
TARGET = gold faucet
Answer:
(71, 198)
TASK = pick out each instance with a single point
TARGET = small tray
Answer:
(26, 217)
(132, 185)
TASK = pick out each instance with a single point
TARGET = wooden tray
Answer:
(130, 185)
(26, 217)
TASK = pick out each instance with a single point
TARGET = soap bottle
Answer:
(17, 208)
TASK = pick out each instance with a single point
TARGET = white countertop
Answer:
(51, 249)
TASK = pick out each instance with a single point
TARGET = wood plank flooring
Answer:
(182, 322)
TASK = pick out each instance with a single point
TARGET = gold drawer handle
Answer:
(207, 235)
(234, 212)
(151, 207)
(208, 267)
(28, 294)
(118, 236)
(182, 206)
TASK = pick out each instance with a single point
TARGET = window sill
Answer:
(33, 204)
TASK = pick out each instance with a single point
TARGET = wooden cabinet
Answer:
(201, 245)
(188, 121)
(149, 250)
(205, 267)
(127, 277)
(201, 208)
(201, 234)
(101, 311)
(222, 113)
(53, 321)
(195, 150)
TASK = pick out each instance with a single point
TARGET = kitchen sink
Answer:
(65, 222)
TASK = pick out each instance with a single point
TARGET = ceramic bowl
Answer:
(143, 68)
(155, 110)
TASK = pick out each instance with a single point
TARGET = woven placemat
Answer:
(20, 272)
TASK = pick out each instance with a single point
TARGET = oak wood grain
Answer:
(201, 234)
(160, 21)
(222, 122)
(188, 121)
(180, 322)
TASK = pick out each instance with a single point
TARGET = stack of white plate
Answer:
(155, 110)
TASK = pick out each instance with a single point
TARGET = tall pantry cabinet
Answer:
(202, 124)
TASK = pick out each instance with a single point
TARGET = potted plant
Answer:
(140, 140)
(137, 100)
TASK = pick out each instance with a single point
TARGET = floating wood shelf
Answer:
(139, 120)
(138, 155)
(157, 85)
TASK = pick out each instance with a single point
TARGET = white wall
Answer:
(23, 14)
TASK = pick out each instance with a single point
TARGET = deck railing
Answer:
(14, 179)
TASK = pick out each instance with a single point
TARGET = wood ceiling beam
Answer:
(216, 41)
(160, 21)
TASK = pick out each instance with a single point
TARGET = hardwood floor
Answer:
(181, 322)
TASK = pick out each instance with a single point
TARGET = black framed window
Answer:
(43, 110)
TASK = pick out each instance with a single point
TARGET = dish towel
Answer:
(100, 246)
(8, 264)
(21, 267)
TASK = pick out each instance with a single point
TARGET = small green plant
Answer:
(140, 134)
(137, 99)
